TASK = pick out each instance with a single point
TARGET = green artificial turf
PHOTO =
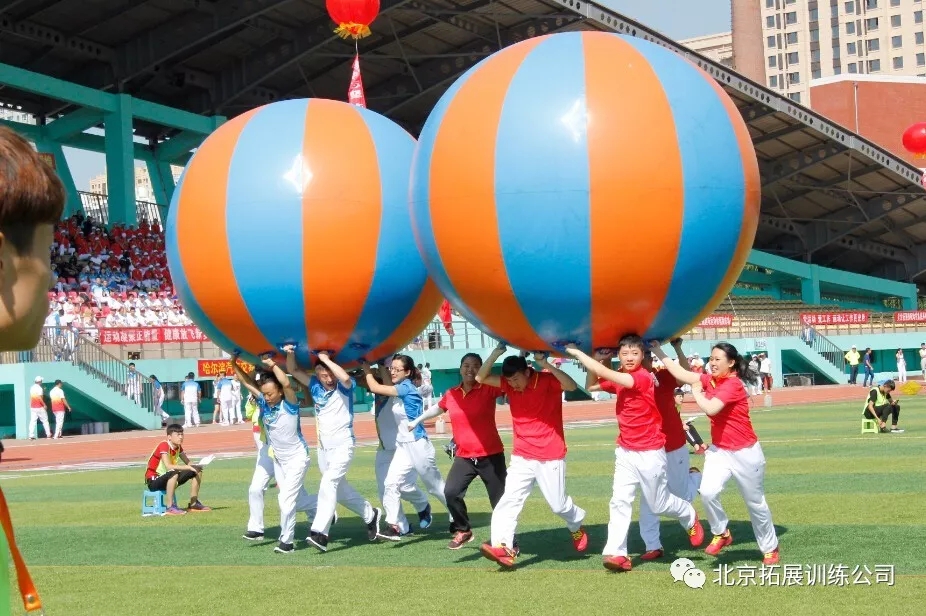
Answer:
(837, 498)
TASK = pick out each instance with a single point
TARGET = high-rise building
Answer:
(716, 47)
(799, 41)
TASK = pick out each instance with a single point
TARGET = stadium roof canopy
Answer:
(829, 196)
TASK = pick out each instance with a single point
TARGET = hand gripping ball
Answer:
(577, 187)
(291, 225)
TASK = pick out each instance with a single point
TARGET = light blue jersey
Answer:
(190, 391)
(284, 432)
(408, 408)
(334, 413)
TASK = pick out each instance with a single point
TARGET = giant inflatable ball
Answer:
(291, 225)
(576, 187)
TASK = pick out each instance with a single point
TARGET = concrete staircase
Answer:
(99, 377)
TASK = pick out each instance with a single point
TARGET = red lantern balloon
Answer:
(353, 16)
(914, 139)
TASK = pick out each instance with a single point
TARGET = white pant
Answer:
(230, 411)
(263, 472)
(682, 484)
(257, 440)
(334, 488)
(902, 372)
(410, 458)
(409, 491)
(190, 413)
(550, 477)
(37, 416)
(159, 408)
(646, 469)
(747, 468)
(59, 423)
(134, 394)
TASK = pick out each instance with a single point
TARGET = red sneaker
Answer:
(718, 543)
(651, 554)
(617, 563)
(770, 558)
(580, 539)
(696, 534)
(502, 555)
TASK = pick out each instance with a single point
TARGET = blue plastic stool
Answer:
(153, 503)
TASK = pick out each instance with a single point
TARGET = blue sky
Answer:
(678, 19)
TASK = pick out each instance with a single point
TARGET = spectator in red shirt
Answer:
(539, 451)
(735, 450)
(640, 454)
(169, 467)
(479, 449)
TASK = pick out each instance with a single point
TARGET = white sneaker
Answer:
(896, 431)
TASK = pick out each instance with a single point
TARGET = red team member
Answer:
(735, 450)
(683, 480)
(539, 452)
(640, 455)
(480, 452)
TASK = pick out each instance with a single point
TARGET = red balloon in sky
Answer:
(914, 139)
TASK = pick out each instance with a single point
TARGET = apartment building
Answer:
(716, 47)
(803, 40)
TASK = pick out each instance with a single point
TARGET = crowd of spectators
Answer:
(111, 278)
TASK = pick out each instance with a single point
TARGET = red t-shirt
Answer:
(472, 416)
(537, 417)
(155, 460)
(672, 425)
(731, 428)
(637, 416)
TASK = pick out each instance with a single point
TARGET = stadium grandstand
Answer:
(838, 257)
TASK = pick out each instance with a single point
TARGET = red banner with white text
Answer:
(150, 335)
(717, 320)
(835, 318)
(214, 367)
(910, 316)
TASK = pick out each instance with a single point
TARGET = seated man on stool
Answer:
(880, 404)
(169, 467)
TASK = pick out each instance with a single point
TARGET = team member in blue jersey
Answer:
(414, 452)
(387, 430)
(279, 417)
(192, 394)
(332, 392)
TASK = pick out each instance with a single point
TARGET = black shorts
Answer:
(159, 484)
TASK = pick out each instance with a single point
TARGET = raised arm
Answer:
(680, 374)
(288, 392)
(339, 373)
(298, 373)
(485, 375)
(245, 379)
(681, 358)
(377, 388)
(711, 406)
(598, 369)
(565, 381)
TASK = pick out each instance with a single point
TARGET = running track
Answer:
(136, 446)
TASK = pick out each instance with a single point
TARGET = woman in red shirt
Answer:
(479, 449)
(735, 451)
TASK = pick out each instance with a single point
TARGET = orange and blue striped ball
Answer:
(291, 225)
(577, 187)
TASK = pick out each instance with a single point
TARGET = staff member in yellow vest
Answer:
(853, 358)
(880, 404)
(168, 467)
